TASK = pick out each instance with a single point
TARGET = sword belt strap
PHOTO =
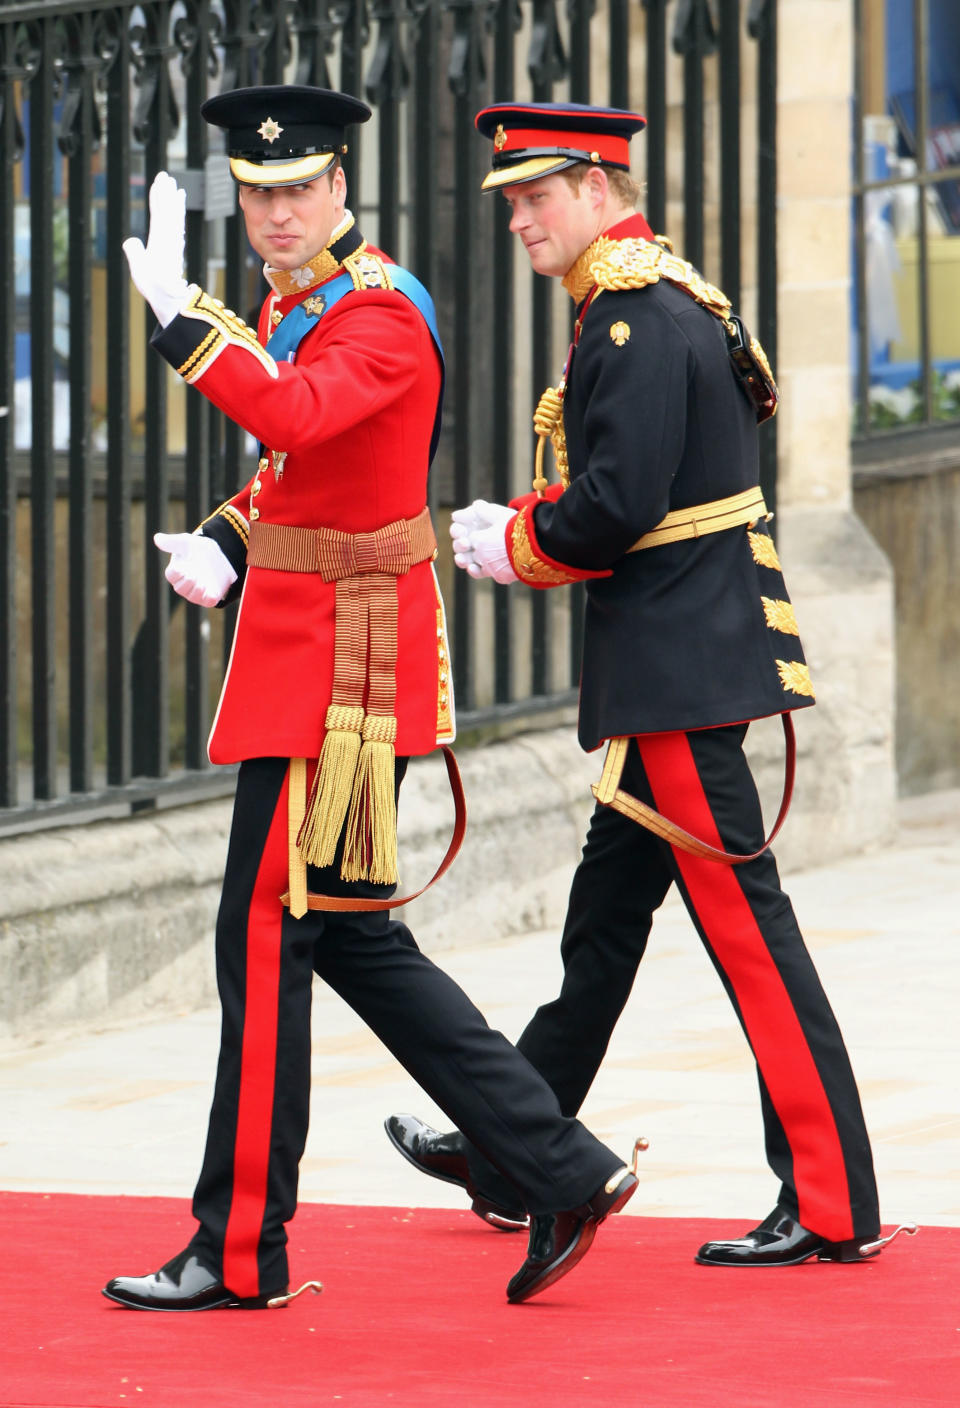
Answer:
(700, 519)
(609, 792)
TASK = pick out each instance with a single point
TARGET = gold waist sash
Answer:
(354, 780)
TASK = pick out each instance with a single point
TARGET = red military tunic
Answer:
(349, 423)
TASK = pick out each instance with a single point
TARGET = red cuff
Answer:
(531, 564)
(550, 495)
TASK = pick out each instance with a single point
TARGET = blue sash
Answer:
(283, 342)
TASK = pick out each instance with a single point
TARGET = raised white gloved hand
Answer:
(479, 540)
(157, 270)
(198, 569)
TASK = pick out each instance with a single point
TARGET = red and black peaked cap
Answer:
(536, 139)
(283, 134)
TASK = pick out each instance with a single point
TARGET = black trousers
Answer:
(816, 1139)
(247, 1190)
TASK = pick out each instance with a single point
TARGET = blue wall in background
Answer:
(944, 57)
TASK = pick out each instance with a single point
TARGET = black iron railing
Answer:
(107, 680)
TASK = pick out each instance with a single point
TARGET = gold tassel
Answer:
(370, 851)
(332, 785)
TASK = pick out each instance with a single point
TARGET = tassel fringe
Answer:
(370, 851)
(332, 785)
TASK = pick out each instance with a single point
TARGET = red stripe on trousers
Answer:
(776, 1036)
(251, 1155)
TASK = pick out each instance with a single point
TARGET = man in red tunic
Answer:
(338, 674)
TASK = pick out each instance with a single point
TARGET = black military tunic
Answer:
(687, 634)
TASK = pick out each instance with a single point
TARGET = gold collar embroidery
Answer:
(578, 280)
(320, 268)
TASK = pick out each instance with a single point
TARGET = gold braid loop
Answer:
(549, 411)
(548, 421)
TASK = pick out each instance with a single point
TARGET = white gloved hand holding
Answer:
(479, 540)
(157, 270)
(198, 569)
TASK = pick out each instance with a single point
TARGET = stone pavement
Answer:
(122, 1109)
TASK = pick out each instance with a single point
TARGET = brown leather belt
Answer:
(700, 519)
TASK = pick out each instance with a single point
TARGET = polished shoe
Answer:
(444, 1156)
(780, 1241)
(185, 1284)
(558, 1240)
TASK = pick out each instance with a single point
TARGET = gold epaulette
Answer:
(635, 263)
(367, 270)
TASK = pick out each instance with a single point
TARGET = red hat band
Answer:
(615, 150)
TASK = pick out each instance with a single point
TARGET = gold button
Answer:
(257, 486)
(254, 515)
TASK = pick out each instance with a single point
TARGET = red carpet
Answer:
(414, 1314)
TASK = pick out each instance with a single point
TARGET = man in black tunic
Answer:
(689, 634)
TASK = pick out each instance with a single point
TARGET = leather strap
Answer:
(355, 904)
(609, 793)
(699, 519)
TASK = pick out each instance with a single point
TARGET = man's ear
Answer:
(595, 185)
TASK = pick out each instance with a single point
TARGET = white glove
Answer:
(198, 569)
(479, 540)
(157, 271)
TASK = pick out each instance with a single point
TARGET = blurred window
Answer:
(906, 290)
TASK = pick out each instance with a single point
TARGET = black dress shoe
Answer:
(444, 1156)
(183, 1284)
(558, 1240)
(780, 1241)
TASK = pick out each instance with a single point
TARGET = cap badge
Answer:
(499, 138)
(619, 333)
(269, 130)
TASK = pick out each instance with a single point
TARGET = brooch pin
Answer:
(269, 130)
(620, 333)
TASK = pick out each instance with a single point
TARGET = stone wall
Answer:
(839, 579)
(915, 516)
